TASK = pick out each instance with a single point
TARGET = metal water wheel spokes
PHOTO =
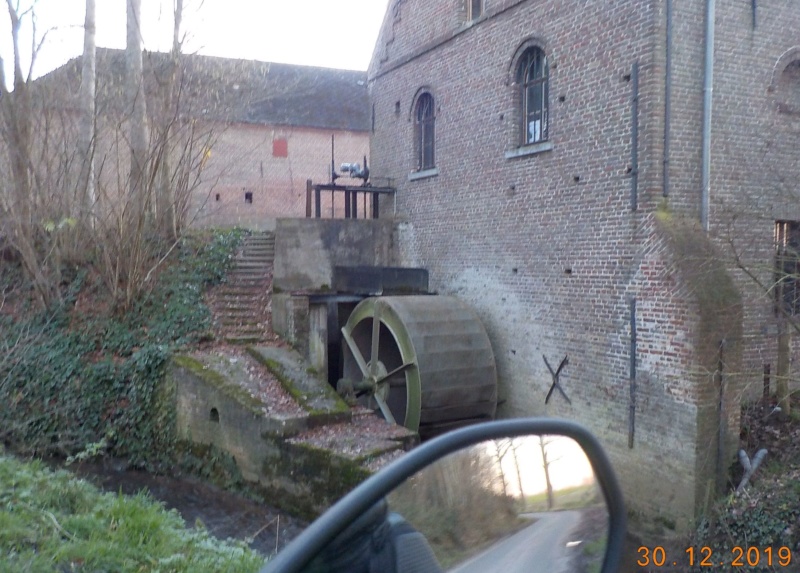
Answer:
(386, 361)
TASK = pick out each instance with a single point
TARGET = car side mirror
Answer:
(521, 494)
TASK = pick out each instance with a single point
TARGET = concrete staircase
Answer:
(241, 307)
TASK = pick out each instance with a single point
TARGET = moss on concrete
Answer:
(165, 417)
(325, 475)
(212, 464)
(338, 406)
(700, 263)
(220, 382)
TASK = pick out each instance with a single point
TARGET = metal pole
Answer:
(708, 91)
(721, 420)
(667, 99)
(635, 137)
(632, 404)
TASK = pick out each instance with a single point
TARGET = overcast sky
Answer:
(330, 33)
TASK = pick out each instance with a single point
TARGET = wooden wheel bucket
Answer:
(424, 362)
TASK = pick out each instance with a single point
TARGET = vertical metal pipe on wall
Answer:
(632, 399)
(667, 98)
(635, 136)
(708, 90)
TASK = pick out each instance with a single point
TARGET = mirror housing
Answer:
(345, 513)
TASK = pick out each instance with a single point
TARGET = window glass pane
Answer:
(425, 132)
(787, 265)
(476, 7)
(533, 75)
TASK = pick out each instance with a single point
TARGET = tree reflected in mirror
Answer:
(507, 505)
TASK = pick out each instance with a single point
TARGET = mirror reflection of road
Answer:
(539, 547)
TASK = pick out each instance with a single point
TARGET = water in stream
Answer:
(224, 514)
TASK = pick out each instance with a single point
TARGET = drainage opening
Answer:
(214, 417)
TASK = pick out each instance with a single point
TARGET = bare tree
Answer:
(760, 233)
(136, 103)
(81, 188)
(88, 94)
(21, 189)
(543, 443)
(501, 449)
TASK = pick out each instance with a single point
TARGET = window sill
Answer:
(531, 149)
(426, 173)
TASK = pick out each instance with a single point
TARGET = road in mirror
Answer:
(521, 504)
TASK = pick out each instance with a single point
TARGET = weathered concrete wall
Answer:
(299, 477)
(307, 250)
(291, 320)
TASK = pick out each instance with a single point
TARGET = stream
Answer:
(224, 514)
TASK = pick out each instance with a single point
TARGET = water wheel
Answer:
(424, 362)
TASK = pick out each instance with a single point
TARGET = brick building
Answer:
(267, 127)
(550, 169)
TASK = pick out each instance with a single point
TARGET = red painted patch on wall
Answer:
(280, 148)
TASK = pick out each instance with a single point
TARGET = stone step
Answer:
(238, 302)
(248, 274)
(250, 265)
(243, 339)
(240, 297)
(244, 336)
(246, 286)
(233, 287)
(251, 326)
(260, 266)
(245, 311)
(270, 244)
(258, 247)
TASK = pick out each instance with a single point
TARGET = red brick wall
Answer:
(755, 166)
(243, 159)
(546, 246)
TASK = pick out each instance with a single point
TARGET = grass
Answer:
(576, 497)
(53, 522)
(593, 552)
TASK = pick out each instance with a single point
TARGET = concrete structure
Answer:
(307, 252)
(550, 169)
(290, 436)
(260, 130)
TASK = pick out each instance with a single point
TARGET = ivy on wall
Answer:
(70, 378)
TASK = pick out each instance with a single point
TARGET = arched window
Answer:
(532, 77)
(424, 132)
(789, 88)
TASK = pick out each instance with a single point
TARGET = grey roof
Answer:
(235, 90)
